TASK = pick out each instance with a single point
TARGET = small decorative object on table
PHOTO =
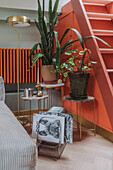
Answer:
(39, 92)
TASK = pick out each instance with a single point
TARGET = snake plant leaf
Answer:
(63, 50)
(54, 62)
(40, 15)
(97, 39)
(55, 9)
(66, 44)
(33, 49)
(78, 35)
(50, 12)
(65, 33)
(36, 57)
(37, 25)
(82, 63)
(58, 53)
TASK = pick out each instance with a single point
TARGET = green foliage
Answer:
(75, 63)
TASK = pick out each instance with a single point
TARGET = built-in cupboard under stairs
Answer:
(95, 17)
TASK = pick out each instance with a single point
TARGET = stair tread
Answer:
(106, 50)
(98, 30)
(90, 3)
(100, 15)
(98, 1)
(103, 32)
(109, 70)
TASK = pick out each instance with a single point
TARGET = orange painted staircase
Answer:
(93, 17)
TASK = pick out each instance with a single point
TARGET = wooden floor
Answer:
(92, 153)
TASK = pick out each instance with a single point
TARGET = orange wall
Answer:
(68, 20)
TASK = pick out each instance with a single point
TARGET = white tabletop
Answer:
(34, 97)
(51, 85)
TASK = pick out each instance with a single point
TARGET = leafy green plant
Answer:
(76, 62)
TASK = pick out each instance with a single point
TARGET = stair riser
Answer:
(108, 59)
(103, 25)
(111, 77)
(96, 9)
(108, 39)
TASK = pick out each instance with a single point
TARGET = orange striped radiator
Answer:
(9, 66)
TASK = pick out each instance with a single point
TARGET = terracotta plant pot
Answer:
(78, 85)
(48, 73)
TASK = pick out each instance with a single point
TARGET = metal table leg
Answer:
(94, 119)
(30, 113)
(77, 114)
(51, 97)
(80, 120)
(23, 110)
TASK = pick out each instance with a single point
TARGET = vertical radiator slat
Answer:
(17, 65)
(29, 65)
(14, 70)
(32, 70)
(4, 66)
(20, 65)
(7, 66)
(1, 73)
(26, 63)
(11, 66)
(23, 64)
(35, 70)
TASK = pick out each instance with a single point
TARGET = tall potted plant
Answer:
(50, 52)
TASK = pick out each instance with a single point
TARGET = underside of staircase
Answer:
(94, 17)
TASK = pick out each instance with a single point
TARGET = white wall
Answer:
(28, 36)
(28, 4)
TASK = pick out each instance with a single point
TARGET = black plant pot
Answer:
(78, 85)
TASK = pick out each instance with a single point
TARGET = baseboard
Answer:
(27, 112)
(106, 134)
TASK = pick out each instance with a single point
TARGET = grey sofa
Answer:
(2, 90)
(17, 150)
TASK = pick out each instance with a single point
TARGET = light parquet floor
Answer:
(92, 153)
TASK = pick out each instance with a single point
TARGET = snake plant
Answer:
(50, 52)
